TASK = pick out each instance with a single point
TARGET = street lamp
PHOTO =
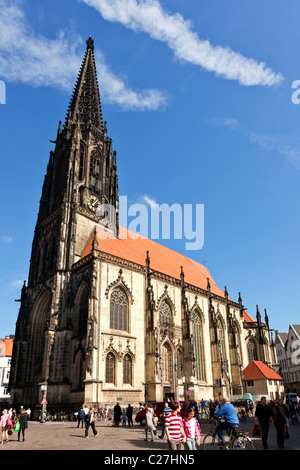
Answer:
(43, 387)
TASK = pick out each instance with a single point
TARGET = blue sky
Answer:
(197, 97)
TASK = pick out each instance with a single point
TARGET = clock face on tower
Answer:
(93, 203)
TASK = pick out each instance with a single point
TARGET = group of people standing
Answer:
(275, 413)
(181, 432)
(11, 421)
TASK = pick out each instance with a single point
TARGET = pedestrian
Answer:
(211, 407)
(174, 428)
(106, 411)
(196, 410)
(167, 411)
(90, 422)
(263, 416)
(292, 411)
(149, 423)
(192, 430)
(280, 414)
(129, 412)
(117, 414)
(124, 419)
(28, 411)
(4, 426)
(23, 420)
(81, 416)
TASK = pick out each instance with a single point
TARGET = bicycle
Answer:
(238, 440)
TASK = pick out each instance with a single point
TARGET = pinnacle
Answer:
(85, 100)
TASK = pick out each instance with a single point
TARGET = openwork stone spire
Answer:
(85, 102)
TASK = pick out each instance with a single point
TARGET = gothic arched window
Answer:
(110, 375)
(198, 344)
(252, 350)
(79, 371)
(127, 370)
(96, 172)
(167, 363)
(119, 310)
(83, 312)
(165, 313)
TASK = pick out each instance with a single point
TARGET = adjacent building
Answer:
(6, 347)
(288, 355)
(261, 380)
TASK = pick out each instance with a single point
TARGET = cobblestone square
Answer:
(67, 436)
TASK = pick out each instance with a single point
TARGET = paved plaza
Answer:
(66, 436)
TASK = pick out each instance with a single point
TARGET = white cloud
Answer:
(230, 123)
(277, 143)
(281, 144)
(6, 239)
(150, 17)
(30, 58)
(149, 200)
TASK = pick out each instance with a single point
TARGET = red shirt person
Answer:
(174, 428)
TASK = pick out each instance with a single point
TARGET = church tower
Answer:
(80, 190)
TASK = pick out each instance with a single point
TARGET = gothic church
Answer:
(111, 318)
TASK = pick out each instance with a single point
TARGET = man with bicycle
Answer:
(231, 420)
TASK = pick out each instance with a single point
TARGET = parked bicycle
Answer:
(237, 440)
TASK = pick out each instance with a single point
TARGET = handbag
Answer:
(17, 426)
(256, 430)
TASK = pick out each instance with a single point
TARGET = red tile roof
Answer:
(6, 347)
(258, 370)
(133, 247)
(248, 318)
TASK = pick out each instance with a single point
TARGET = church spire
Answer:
(85, 101)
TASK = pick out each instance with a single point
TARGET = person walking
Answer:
(4, 426)
(167, 411)
(280, 414)
(90, 422)
(149, 423)
(196, 411)
(117, 414)
(23, 420)
(263, 416)
(129, 412)
(174, 428)
(81, 417)
(192, 430)
(292, 411)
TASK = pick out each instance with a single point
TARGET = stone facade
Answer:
(98, 326)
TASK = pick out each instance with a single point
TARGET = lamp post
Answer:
(191, 382)
(43, 387)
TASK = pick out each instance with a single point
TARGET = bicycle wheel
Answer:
(209, 442)
(247, 443)
(242, 443)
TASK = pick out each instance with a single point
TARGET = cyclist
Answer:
(227, 411)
